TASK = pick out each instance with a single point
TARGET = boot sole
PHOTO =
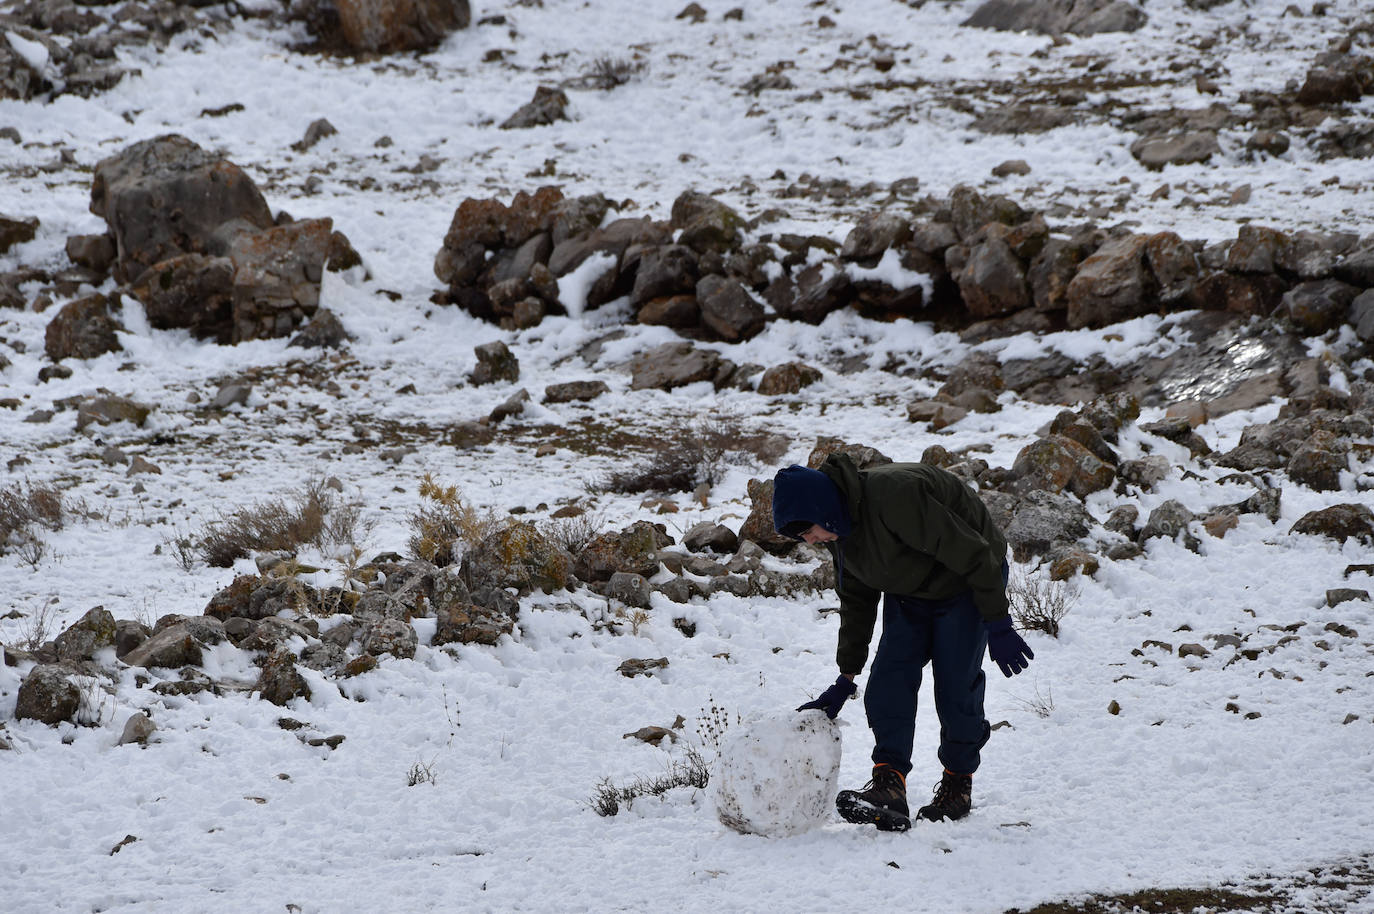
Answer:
(861, 812)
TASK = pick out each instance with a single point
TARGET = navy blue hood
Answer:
(805, 496)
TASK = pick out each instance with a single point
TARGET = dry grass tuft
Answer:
(312, 516)
(693, 456)
(23, 509)
(445, 525)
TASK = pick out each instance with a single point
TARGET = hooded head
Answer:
(802, 497)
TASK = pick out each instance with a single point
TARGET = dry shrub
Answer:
(24, 508)
(695, 455)
(690, 771)
(275, 525)
(607, 73)
(1039, 604)
(574, 533)
(445, 525)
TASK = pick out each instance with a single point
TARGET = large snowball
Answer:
(777, 776)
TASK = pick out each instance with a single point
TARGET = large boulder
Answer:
(1156, 152)
(728, 309)
(193, 292)
(277, 276)
(48, 695)
(993, 280)
(704, 223)
(814, 293)
(83, 329)
(92, 632)
(673, 365)
(1113, 284)
(280, 681)
(167, 196)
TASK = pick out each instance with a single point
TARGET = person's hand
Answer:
(1008, 649)
(833, 698)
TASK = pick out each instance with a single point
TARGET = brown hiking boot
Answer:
(882, 802)
(953, 798)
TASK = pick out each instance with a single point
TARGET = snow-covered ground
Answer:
(1185, 786)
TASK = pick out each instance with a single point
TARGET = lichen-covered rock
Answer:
(468, 623)
(1168, 520)
(48, 695)
(394, 26)
(1320, 460)
(495, 363)
(634, 549)
(389, 636)
(704, 223)
(1042, 520)
(280, 681)
(713, 537)
(92, 632)
(83, 329)
(1058, 463)
(173, 647)
(518, 556)
(629, 588)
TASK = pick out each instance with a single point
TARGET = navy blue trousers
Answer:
(948, 635)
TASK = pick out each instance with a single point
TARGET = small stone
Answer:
(1193, 650)
(1011, 167)
(140, 465)
(1339, 595)
(137, 730)
(1114, 708)
(641, 667)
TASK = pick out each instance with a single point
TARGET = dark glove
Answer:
(1008, 649)
(833, 698)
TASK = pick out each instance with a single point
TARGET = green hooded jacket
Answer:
(917, 531)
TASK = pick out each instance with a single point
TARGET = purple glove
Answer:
(1008, 649)
(833, 698)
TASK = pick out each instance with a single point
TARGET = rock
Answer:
(1174, 265)
(629, 588)
(1268, 142)
(713, 537)
(664, 271)
(634, 550)
(1320, 461)
(518, 556)
(512, 406)
(16, 231)
(1041, 520)
(271, 633)
(873, 234)
(814, 293)
(324, 331)
(469, 623)
(704, 224)
(1011, 167)
(1122, 520)
(548, 105)
(1336, 596)
(93, 632)
(319, 129)
(384, 26)
(191, 291)
(993, 280)
(48, 695)
(971, 211)
(92, 252)
(575, 391)
(137, 730)
(777, 776)
(641, 667)
(1146, 473)
(277, 275)
(1058, 463)
(1339, 522)
(129, 634)
(1343, 80)
(389, 636)
(1357, 268)
(936, 412)
(1361, 315)
(83, 329)
(495, 363)
(166, 197)
(172, 647)
(728, 309)
(1112, 285)
(109, 410)
(673, 365)
(1156, 152)
(1168, 520)
(280, 681)
(790, 378)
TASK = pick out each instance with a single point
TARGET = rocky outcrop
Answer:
(1055, 17)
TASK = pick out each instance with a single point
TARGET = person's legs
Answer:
(895, 679)
(958, 642)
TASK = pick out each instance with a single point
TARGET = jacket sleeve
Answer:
(922, 520)
(858, 613)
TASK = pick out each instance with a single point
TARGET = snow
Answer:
(233, 813)
(777, 776)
